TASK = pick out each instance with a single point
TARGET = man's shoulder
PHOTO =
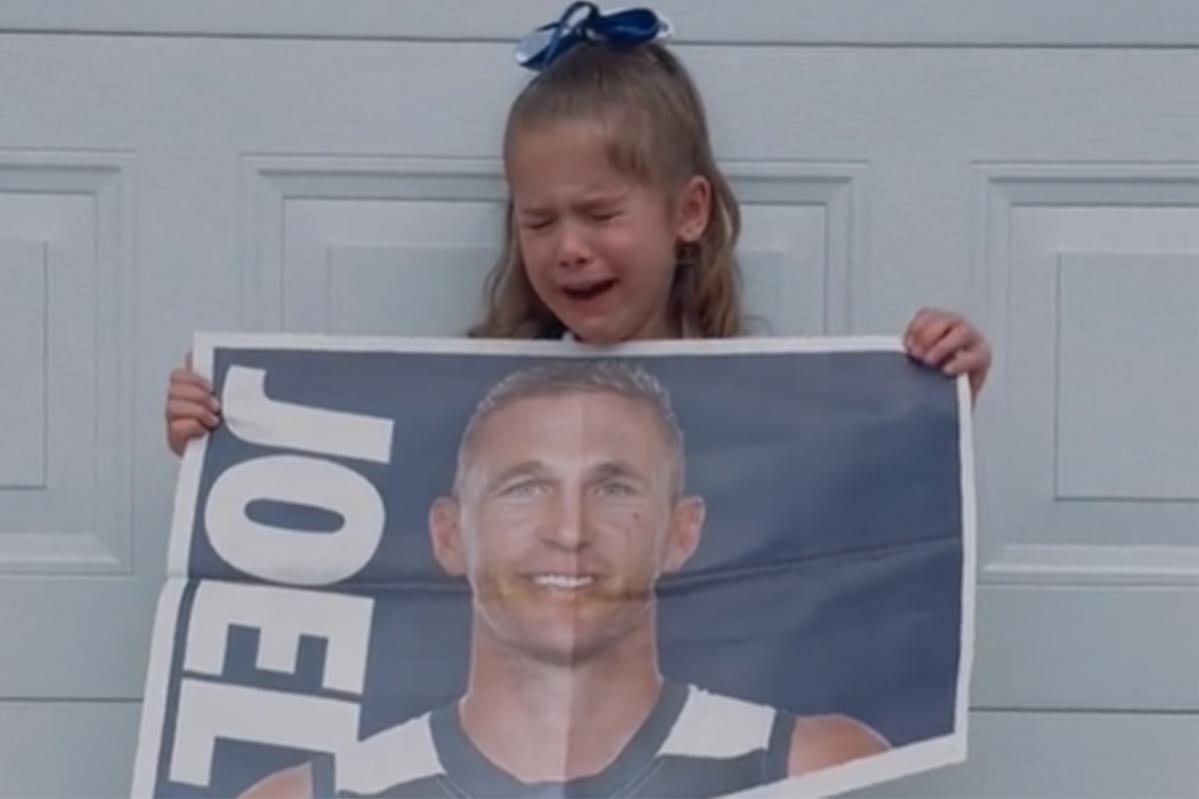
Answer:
(716, 745)
(290, 783)
(830, 740)
(715, 725)
(708, 701)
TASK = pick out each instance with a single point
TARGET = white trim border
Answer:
(933, 23)
(206, 342)
(158, 677)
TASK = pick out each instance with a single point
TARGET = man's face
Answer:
(566, 515)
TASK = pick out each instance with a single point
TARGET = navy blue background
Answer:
(828, 578)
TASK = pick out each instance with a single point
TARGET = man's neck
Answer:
(544, 722)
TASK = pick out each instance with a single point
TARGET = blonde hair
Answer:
(648, 107)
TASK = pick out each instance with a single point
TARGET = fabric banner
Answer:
(454, 568)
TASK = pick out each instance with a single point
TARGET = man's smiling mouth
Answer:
(562, 582)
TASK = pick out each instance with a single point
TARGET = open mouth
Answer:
(562, 582)
(589, 291)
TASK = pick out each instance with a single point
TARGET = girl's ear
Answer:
(446, 536)
(694, 209)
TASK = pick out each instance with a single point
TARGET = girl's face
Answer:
(599, 248)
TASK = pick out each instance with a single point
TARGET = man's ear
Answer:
(694, 209)
(686, 527)
(445, 533)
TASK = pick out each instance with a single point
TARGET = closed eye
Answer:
(603, 213)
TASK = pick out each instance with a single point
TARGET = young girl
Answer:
(621, 225)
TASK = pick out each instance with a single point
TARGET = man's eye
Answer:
(523, 488)
(604, 216)
(616, 489)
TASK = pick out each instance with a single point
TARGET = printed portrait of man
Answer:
(568, 505)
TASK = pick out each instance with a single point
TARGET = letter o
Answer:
(282, 554)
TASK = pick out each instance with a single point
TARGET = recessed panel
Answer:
(404, 289)
(1088, 429)
(1127, 411)
(66, 309)
(23, 312)
(785, 268)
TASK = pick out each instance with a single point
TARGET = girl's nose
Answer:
(572, 248)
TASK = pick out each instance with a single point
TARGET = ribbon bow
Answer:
(624, 28)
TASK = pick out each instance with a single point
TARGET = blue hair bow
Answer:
(624, 28)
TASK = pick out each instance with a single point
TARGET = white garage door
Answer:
(330, 167)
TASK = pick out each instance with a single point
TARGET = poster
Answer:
(454, 568)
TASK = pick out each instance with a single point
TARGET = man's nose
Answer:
(568, 528)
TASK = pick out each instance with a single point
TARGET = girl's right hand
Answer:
(192, 410)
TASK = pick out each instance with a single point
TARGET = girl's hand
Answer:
(191, 410)
(948, 342)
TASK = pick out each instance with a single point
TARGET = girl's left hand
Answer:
(948, 342)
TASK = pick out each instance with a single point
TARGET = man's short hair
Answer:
(579, 376)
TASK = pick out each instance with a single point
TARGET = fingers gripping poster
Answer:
(505, 569)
